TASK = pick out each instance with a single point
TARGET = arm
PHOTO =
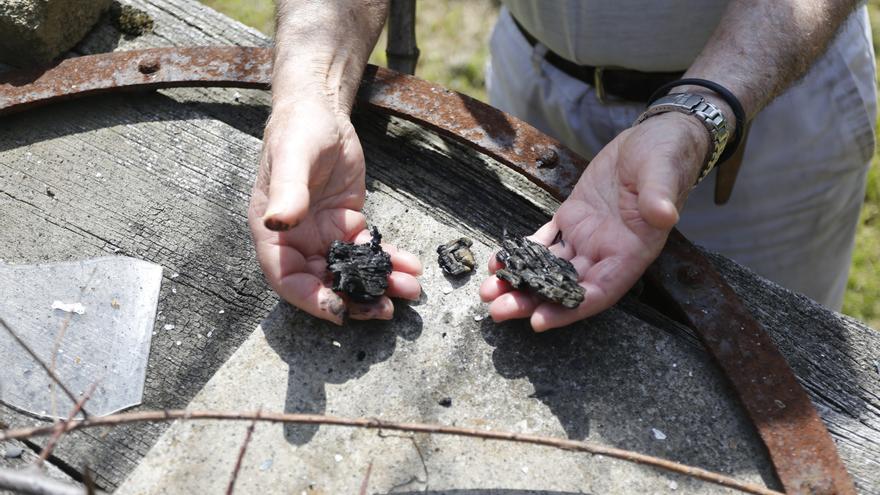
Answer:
(310, 187)
(617, 219)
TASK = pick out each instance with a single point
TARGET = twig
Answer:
(366, 482)
(31, 481)
(89, 481)
(244, 446)
(42, 364)
(55, 347)
(59, 427)
(372, 423)
(415, 444)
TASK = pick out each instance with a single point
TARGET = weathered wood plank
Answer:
(146, 176)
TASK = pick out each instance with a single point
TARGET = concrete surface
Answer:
(33, 32)
(611, 380)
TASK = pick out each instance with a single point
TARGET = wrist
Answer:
(694, 142)
(329, 79)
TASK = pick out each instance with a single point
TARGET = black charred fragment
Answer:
(531, 266)
(455, 257)
(360, 270)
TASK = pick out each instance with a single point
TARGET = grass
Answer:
(453, 37)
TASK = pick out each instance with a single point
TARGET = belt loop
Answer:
(598, 85)
(539, 51)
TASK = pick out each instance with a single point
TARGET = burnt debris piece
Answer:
(531, 266)
(360, 270)
(455, 257)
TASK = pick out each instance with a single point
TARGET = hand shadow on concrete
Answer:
(319, 352)
(612, 378)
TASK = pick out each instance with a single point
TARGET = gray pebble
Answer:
(13, 452)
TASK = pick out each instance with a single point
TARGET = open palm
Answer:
(309, 192)
(616, 220)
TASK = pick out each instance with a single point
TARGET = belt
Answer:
(628, 84)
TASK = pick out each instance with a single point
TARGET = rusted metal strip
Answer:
(513, 142)
(800, 447)
(156, 68)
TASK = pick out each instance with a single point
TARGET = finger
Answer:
(402, 261)
(563, 250)
(288, 199)
(493, 287)
(659, 193)
(403, 285)
(581, 264)
(604, 284)
(288, 192)
(349, 223)
(494, 264)
(512, 305)
(308, 293)
(383, 309)
(546, 234)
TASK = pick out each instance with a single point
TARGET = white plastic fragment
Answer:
(659, 435)
(336, 344)
(337, 457)
(77, 308)
(168, 327)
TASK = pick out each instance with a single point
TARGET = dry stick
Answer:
(59, 426)
(55, 348)
(32, 481)
(42, 364)
(244, 446)
(60, 336)
(372, 423)
(366, 481)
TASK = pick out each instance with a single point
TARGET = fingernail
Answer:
(334, 305)
(276, 225)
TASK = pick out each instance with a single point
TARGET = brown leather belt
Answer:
(628, 84)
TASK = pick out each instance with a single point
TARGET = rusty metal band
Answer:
(800, 447)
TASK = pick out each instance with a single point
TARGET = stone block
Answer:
(34, 32)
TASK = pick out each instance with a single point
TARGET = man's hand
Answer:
(616, 220)
(310, 192)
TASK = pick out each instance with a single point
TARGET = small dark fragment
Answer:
(455, 257)
(360, 270)
(531, 266)
(445, 402)
(50, 192)
(129, 20)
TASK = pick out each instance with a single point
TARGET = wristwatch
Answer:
(709, 115)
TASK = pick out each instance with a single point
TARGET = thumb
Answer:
(288, 201)
(659, 189)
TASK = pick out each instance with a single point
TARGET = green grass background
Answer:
(453, 37)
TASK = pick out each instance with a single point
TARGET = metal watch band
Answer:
(709, 115)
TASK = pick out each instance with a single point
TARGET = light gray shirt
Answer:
(645, 35)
